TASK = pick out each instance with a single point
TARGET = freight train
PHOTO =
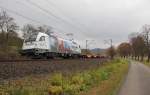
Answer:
(50, 46)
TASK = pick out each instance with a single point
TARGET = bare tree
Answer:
(28, 30)
(111, 52)
(7, 25)
(146, 33)
(124, 49)
(138, 47)
(45, 29)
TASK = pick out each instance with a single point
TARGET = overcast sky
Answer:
(96, 20)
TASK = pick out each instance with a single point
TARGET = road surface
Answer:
(137, 81)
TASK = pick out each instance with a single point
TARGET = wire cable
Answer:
(58, 9)
(50, 13)
(27, 18)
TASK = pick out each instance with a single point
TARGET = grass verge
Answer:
(111, 85)
(145, 62)
(101, 81)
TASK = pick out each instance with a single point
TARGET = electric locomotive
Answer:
(49, 46)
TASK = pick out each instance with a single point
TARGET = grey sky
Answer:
(97, 20)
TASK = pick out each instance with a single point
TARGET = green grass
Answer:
(74, 84)
(110, 80)
(146, 62)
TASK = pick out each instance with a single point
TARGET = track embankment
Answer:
(20, 68)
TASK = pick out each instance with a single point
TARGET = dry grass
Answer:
(111, 85)
(108, 76)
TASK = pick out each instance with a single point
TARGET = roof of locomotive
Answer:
(43, 34)
(58, 37)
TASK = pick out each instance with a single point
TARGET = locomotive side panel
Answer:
(53, 43)
(75, 48)
(50, 46)
(42, 42)
(67, 47)
(61, 48)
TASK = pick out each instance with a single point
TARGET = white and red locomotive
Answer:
(49, 46)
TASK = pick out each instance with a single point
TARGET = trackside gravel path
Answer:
(137, 81)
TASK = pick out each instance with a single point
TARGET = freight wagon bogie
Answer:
(49, 46)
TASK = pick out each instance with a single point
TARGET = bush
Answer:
(71, 89)
(10, 54)
(104, 75)
(55, 90)
(78, 79)
(95, 76)
(57, 80)
(87, 79)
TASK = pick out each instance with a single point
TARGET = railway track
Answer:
(22, 60)
(36, 60)
(10, 69)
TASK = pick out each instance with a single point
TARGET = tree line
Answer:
(137, 48)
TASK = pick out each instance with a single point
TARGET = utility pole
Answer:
(86, 44)
(110, 42)
(111, 49)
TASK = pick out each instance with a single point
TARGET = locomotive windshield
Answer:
(31, 38)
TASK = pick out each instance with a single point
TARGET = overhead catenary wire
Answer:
(51, 14)
(30, 19)
(16, 1)
(48, 13)
(44, 10)
(25, 17)
(58, 9)
(38, 6)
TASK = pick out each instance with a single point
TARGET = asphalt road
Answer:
(137, 81)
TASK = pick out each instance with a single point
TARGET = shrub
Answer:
(57, 80)
(55, 90)
(87, 79)
(71, 89)
(77, 79)
(104, 75)
(95, 76)
(84, 87)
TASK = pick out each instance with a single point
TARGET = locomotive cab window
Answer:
(42, 38)
(31, 38)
